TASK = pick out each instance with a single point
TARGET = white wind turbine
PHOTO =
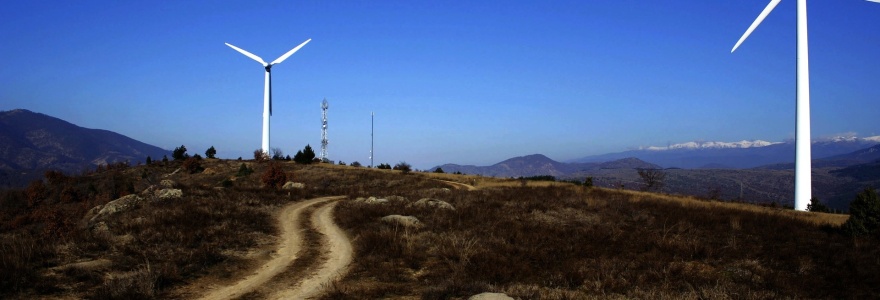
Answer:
(267, 93)
(802, 163)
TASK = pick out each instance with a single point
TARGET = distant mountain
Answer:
(733, 155)
(537, 165)
(31, 143)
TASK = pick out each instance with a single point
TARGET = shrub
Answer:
(192, 165)
(164, 159)
(439, 170)
(149, 160)
(305, 156)
(652, 178)
(260, 155)
(179, 153)
(277, 154)
(211, 152)
(384, 167)
(355, 164)
(864, 214)
(274, 176)
(816, 206)
(244, 170)
(403, 167)
(588, 182)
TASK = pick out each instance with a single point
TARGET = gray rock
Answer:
(169, 194)
(490, 296)
(433, 203)
(405, 221)
(119, 205)
(167, 183)
(293, 185)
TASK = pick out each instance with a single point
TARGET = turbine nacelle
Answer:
(267, 93)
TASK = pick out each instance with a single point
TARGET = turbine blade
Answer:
(875, 1)
(248, 54)
(757, 22)
(289, 53)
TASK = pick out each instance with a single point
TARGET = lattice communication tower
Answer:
(324, 142)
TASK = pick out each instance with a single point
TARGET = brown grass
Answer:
(541, 241)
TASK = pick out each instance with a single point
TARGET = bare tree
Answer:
(652, 178)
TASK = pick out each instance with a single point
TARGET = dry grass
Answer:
(542, 241)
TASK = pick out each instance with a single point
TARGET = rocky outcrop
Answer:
(405, 221)
(433, 203)
(290, 185)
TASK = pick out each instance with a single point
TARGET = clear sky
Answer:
(469, 82)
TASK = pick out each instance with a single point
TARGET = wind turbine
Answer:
(267, 93)
(802, 163)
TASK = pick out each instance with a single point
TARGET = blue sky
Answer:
(469, 82)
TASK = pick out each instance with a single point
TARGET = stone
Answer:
(490, 296)
(405, 221)
(167, 183)
(293, 185)
(169, 194)
(119, 205)
(433, 203)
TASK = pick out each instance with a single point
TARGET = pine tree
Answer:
(210, 152)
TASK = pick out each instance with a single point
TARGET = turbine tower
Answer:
(267, 92)
(324, 142)
(802, 162)
(372, 116)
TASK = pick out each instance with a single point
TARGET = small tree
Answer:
(355, 164)
(211, 152)
(864, 214)
(403, 167)
(274, 176)
(439, 170)
(652, 178)
(260, 155)
(149, 160)
(816, 206)
(164, 159)
(179, 153)
(588, 182)
(277, 154)
(305, 156)
(243, 170)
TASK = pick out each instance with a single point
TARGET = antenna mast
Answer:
(324, 142)
(372, 115)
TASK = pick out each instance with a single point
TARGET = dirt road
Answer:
(459, 185)
(339, 249)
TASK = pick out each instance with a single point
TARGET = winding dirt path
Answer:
(289, 247)
(337, 259)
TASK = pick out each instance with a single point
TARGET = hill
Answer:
(31, 143)
(538, 165)
(533, 241)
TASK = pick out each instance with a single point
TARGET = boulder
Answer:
(169, 194)
(490, 296)
(405, 221)
(119, 205)
(293, 185)
(167, 183)
(433, 203)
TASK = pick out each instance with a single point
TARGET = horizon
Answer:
(464, 83)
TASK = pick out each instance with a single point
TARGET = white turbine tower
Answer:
(802, 164)
(267, 93)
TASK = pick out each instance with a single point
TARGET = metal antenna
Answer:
(372, 116)
(324, 142)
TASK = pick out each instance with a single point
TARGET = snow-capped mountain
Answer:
(712, 145)
(735, 155)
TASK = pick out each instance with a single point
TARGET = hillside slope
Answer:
(33, 142)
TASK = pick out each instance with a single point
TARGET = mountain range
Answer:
(31, 143)
(537, 165)
(733, 155)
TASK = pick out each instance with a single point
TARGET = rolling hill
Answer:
(31, 143)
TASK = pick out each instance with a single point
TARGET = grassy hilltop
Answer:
(542, 240)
